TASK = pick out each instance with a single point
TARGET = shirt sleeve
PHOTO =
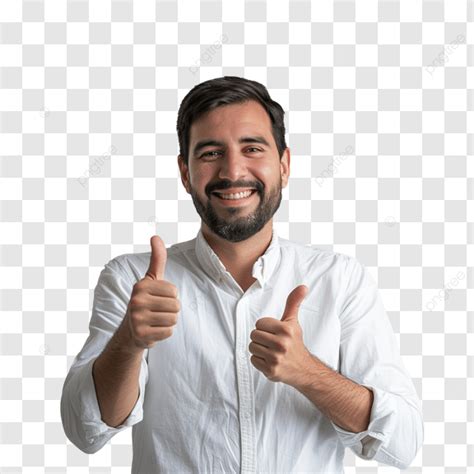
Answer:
(80, 412)
(369, 355)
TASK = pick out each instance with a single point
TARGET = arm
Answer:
(81, 414)
(116, 377)
(343, 401)
(370, 359)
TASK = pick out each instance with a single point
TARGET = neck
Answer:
(239, 257)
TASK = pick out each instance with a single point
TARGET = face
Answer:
(231, 150)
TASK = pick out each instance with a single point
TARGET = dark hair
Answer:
(225, 90)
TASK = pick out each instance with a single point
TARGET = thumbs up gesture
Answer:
(153, 308)
(277, 346)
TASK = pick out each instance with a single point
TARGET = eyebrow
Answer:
(207, 142)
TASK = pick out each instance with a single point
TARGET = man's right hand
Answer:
(153, 308)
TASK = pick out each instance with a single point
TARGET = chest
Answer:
(214, 329)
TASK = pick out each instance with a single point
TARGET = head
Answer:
(232, 138)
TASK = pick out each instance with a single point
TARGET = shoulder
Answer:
(317, 255)
(343, 269)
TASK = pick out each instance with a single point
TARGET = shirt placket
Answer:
(245, 388)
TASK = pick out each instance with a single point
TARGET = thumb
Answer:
(293, 303)
(156, 269)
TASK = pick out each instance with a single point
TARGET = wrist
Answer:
(123, 339)
(313, 369)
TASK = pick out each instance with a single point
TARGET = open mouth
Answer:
(236, 198)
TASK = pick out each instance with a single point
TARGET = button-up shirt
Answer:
(203, 407)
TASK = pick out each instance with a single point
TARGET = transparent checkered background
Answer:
(377, 112)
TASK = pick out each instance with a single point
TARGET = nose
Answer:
(233, 166)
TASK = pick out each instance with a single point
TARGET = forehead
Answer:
(249, 117)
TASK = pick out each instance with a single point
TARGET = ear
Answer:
(184, 172)
(285, 167)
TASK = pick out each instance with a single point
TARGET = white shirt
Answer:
(203, 407)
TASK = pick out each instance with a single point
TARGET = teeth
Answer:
(236, 195)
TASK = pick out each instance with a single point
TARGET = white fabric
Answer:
(203, 406)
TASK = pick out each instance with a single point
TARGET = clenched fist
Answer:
(153, 308)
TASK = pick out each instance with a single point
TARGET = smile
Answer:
(236, 198)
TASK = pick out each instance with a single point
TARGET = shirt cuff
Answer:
(94, 426)
(367, 443)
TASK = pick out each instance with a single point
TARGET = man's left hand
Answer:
(277, 345)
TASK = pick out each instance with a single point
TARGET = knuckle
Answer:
(135, 319)
(140, 332)
(285, 349)
(274, 359)
(140, 285)
(174, 290)
(168, 288)
(135, 301)
(281, 347)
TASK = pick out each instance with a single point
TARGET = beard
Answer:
(234, 228)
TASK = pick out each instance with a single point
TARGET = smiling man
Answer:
(235, 180)
(238, 350)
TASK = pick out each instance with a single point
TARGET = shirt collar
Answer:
(262, 269)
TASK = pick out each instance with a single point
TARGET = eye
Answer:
(209, 153)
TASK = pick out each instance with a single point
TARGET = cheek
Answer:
(197, 178)
(200, 179)
(267, 174)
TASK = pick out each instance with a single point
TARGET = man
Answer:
(238, 350)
